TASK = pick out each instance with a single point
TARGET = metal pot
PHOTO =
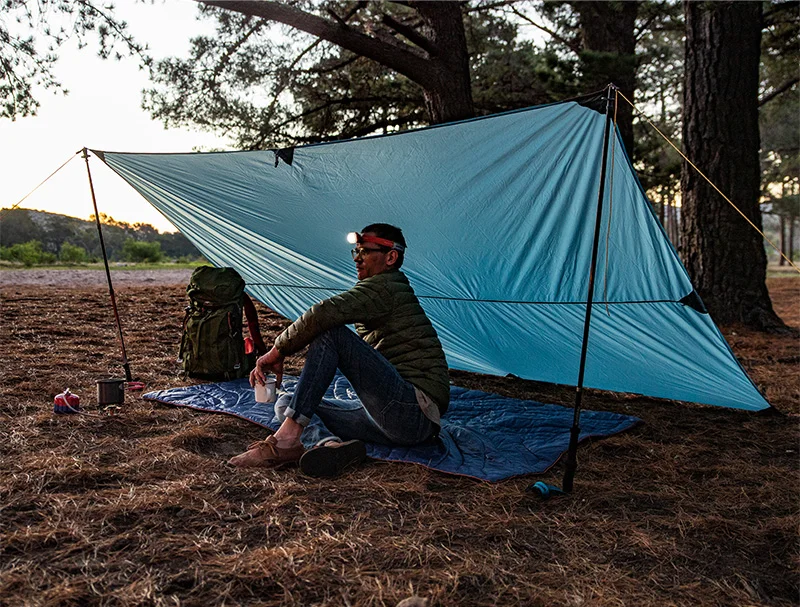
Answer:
(110, 391)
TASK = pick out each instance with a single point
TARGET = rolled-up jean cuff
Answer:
(296, 416)
(328, 439)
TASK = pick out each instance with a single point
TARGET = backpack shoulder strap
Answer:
(252, 324)
(183, 333)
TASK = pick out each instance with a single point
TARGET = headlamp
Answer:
(357, 238)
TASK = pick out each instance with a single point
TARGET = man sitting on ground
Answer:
(395, 364)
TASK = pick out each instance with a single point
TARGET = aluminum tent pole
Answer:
(572, 453)
(125, 364)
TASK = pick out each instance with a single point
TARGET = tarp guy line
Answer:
(711, 183)
(45, 180)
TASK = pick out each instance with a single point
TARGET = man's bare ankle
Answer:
(286, 442)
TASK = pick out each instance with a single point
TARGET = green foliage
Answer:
(142, 252)
(779, 123)
(31, 33)
(176, 246)
(507, 72)
(29, 253)
(18, 226)
(265, 90)
(70, 253)
(187, 260)
(660, 93)
(52, 230)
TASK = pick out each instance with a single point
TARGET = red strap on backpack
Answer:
(252, 325)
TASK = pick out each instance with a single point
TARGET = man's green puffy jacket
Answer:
(387, 315)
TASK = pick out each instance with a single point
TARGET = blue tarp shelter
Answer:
(499, 215)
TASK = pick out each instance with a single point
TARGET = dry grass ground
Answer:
(698, 506)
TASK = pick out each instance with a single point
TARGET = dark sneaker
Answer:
(331, 459)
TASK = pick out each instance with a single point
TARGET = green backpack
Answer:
(212, 344)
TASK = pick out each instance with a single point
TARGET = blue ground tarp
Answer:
(499, 216)
(485, 436)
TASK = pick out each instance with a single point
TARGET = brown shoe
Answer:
(267, 454)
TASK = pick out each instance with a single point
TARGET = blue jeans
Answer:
(388, 413)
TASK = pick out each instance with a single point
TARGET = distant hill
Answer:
(52, 230)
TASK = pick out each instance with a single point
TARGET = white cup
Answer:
(265, 393)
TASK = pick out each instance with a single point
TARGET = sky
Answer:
(102, 111)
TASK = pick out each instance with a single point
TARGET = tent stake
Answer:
(125, 364)
(572, 454)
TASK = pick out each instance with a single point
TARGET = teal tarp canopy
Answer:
(499, 216)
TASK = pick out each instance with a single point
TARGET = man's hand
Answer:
(271, 362)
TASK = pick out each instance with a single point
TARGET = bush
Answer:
(70, 253)
(142, 252)
(29, 253)
(195, 259)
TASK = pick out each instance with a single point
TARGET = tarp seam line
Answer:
(473, 300)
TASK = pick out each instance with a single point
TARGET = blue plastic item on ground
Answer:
(484, 435)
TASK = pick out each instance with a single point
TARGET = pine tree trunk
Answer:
(609, 55)
(448, 91)
(790, 255)
(781, 260)
(724, 255)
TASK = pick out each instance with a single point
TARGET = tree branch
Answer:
(778, 8)
(491, 6)
(781, 89)
(343, 20)
(335, 102)
(226, 57)
(360, 131)
(282, 87)
(263, 134)
(400, 60)
(331, 68)
(410, 33)
(336, 17)
(571, 45)
(645, 26)
(119, 29)
(370, 128)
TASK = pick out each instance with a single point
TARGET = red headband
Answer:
(355, 237)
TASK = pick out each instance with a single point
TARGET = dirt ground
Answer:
(91, 278)
(697, 506)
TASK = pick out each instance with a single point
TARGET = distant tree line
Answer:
(35, 237)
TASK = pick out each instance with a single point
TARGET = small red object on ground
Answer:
(66, 402)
